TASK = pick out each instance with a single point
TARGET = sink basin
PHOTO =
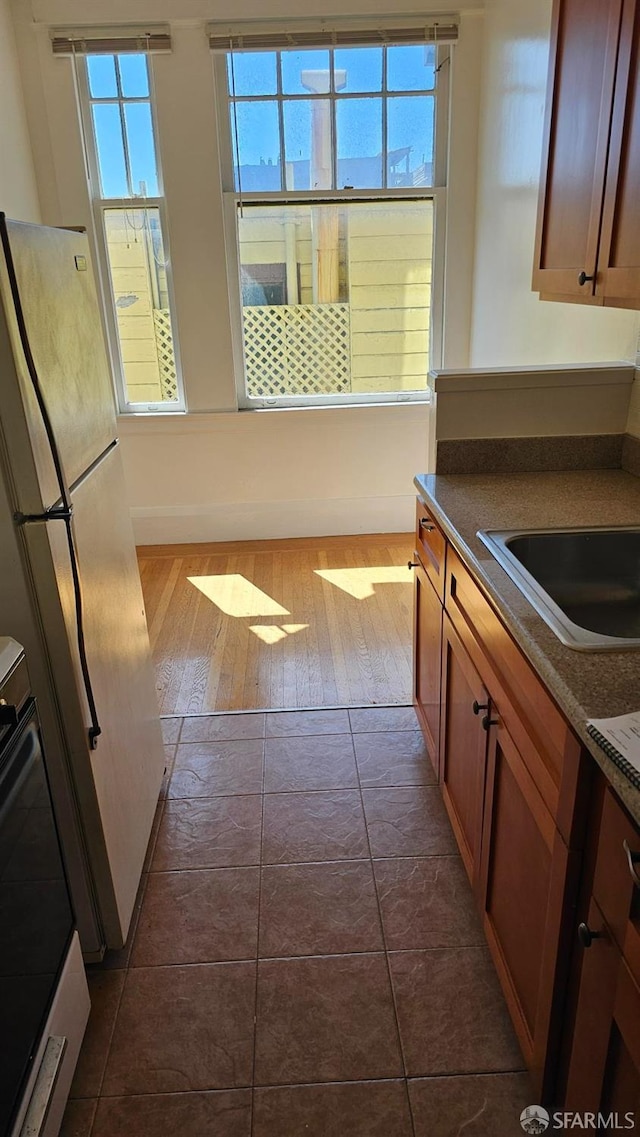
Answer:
(584, 582)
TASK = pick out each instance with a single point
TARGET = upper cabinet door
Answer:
(584, 46)
(619, 257)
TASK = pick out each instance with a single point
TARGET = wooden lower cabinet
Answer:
(426, 671)
(528, 881)
(604, 1053)
(463, 746)
(541, 837)
(604, 1069)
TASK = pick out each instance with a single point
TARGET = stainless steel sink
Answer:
(584, 582)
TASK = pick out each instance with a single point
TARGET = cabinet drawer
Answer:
(613, 886)
(431, 547)
(550, 750)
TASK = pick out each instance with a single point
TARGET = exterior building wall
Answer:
(385, 260)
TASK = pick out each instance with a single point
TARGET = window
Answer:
(335, 177)
(126, 189)
(350, 118)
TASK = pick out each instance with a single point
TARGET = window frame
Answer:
(99, 206)
(233, 200)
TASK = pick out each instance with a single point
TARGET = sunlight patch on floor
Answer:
(360, 582)
(272, 633)
(234, 595)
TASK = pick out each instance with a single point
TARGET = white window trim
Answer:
(232, 199)
(98, 206)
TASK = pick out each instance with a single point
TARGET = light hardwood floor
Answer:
(311, 622)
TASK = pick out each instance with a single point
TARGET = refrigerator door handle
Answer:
(56, 513)
(64, 512)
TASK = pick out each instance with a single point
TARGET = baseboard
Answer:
(263, 521)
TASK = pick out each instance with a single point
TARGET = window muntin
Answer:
(130, 228)
(359, 106)
(123, 125)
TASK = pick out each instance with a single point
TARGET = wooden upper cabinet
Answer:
(589, 206)
(619, 256)
(584, 45)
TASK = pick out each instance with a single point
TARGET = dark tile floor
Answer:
(305, 958)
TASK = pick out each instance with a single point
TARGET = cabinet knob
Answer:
(476, 707)
(583, 278)
(633, 859)
(488, 722)
(412, 564)
(586, 936)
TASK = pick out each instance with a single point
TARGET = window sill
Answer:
(247, 419)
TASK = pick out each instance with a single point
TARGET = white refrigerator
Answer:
(69, 583)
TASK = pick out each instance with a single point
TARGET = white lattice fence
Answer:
(166, 357)
(297, 349)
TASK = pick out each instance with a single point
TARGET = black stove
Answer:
(36, 918)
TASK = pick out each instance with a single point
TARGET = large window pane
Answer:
(411, 68)
(359, 131)
(252, 73)
(410, 123)
(134, 77)
(256, 146)
(107, 127)
(307, 135)
(138, 270)
(358, 68)
(142, 155)
(336, 298)
(102, 76)
(305, 71)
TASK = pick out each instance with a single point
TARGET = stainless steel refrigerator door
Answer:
(118, 783)
(58, 298)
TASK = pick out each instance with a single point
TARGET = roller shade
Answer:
(110, 41)
(278, 36)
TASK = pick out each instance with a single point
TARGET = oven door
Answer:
(36, 919)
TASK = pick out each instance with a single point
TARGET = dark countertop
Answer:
(584, 684)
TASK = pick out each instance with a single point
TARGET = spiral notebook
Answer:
(620, 740)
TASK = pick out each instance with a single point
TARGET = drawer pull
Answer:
(476, 707)
(428, 525)
(633, 860)
(488, 722)
(586, 936)
(413, 564)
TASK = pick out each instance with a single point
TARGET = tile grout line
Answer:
(255, 1003)
(285, 710)
(384, 945)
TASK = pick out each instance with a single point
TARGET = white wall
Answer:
(18, 190)
(510, 325)
(283, 473)
(530, 402)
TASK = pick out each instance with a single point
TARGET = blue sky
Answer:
(359, 121)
